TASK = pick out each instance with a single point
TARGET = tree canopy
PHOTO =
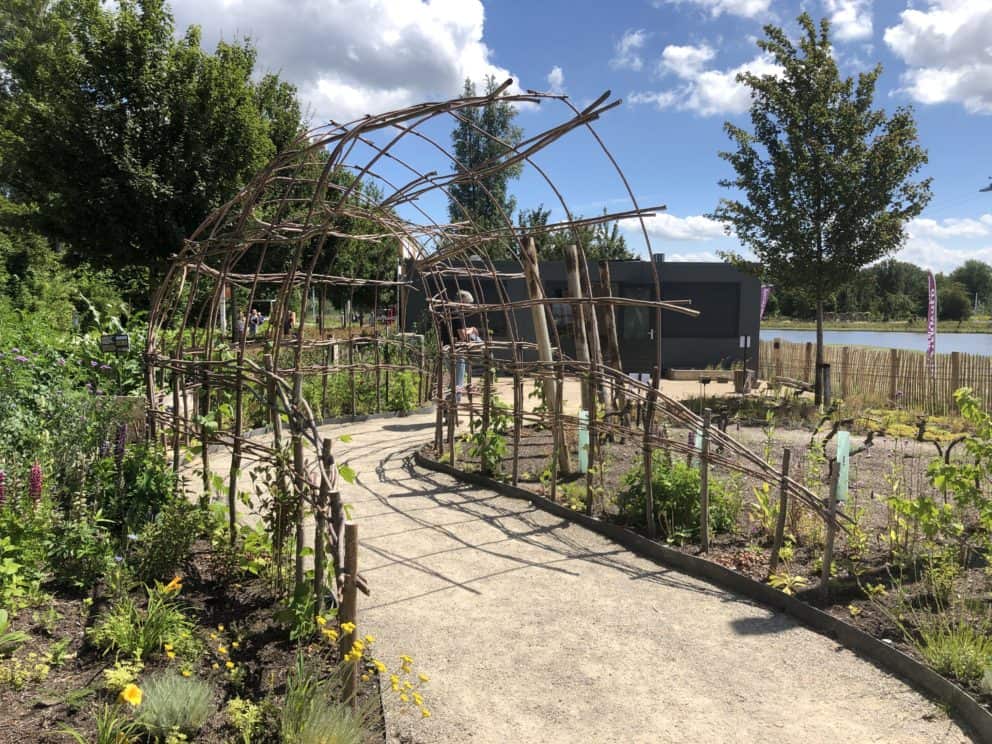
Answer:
(119, 136)
(484, 134)
(600, 242)
(825, 180)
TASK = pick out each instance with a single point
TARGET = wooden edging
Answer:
(922, 678)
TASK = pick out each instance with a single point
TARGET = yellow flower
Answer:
(330, 633)
(394, 679)
(213, 636)
(424, 678)
(370, 639)
(131, 694)
(348, 627)
(365, 678)
(186, 672)
(418, 699)
(222, 650)
(235, 644)
(220, 628)
(215, 665)
(379, 666)
(407, 686)
(405, 669)
(167, 646)
(171, 654)
(404, 698)
(406, 659)
(321, 620)
(229, 664)
(424, 713)
(175, 585)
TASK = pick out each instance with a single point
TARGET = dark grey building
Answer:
(726, 330)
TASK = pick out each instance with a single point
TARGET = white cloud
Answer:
(851, 19)
(925, 228)
(704, 256)
(937, 256)
(556, 80)
(948, 47)
(669, 227)
(705, 92)
(353, 57)
(627, 52)
(716, 8)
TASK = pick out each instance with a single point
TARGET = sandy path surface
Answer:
(536, 630)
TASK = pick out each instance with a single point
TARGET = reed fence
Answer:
(883, 377)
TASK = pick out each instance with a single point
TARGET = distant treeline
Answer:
(896, 290)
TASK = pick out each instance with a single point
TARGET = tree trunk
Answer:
(817, 375)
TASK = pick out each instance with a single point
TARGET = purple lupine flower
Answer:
(3, 488)
(119, 444)
(93, 363)
(105, 367)
(60, 361)
(35, 482)
(20, 358)
(15, 350)
(89, 386)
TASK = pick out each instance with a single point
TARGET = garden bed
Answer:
(890, 579)
(238, 622)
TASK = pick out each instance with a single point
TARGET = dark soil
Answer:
(74, 692)
(747, 548)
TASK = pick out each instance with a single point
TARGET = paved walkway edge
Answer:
(939, 689)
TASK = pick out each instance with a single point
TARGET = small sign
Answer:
(116, 343)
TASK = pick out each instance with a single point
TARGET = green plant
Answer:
(489, 444)
(112, 727)
(765, 509)
(786, 582)
(332, 722)
(120, 675)
(173, 703)
(137, 631)
(164, 543)
(80, 550)
(10, 640)
(298, 613)
(955, 648)
(676, 494)
(245, 716)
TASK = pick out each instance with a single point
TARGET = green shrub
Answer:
(131, 630)
(133, 493)
(956, 649)
(675, 489)
(174, 703)
(80, 551)
(165, 542)
(332, 722)
(245, 716)
(10, 640)
(311, 713)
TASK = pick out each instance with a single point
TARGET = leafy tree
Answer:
(601, 242)
(825, 178)
(953, 302)
(484, 134)
(976, 279)
(123, 137)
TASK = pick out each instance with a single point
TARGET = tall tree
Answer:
(600, 242)
(484, 134)
(123, 137)
(976, 278)
(826, 179)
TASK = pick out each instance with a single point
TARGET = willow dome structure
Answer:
(362, 185)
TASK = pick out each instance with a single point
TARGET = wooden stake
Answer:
(704, 483)
(320, 529)
(783, 508)
(893, 373)
(646, 451)
(828, 548)
(349, 611)
(518, 414)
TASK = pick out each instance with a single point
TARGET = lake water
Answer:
(967, 343)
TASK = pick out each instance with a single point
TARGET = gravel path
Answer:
(536, 630)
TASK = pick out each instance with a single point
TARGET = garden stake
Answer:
(828, 548)
(783, 507)
(646, 450)
(320, 529)
(349, 610)
(704, 484)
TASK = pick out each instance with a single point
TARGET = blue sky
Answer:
(672, 62)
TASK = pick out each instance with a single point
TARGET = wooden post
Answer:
(278, 543)
(691, 441)
(349, 598)
(647, 454)
(487, 401)
(351, 373)
(518, 420)
(955, 373)
(578, 318)
(590, 383)
(845, 372)
(893, 373)
(777, 356)
(704, 483)
(452, 409)
(299, 480)
(205, 444)
(232, 489)
(378, 377)
(828, 548)
(808, 363)
(543, 337)
(320, 529)
(612, 339)
(176, 460)
(783, 508)
(557, 431)
(592, 335)
(337, 525)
